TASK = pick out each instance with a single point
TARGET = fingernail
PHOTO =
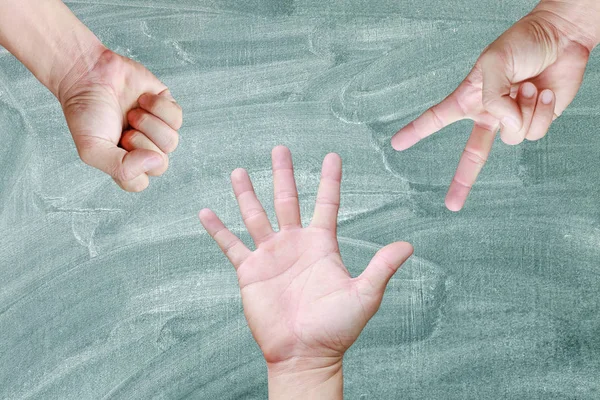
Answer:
(511, 123)
(547, 96)
(151, 163)
(528, 90)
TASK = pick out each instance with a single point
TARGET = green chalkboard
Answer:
(110, 295)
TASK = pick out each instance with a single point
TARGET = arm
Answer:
(48, 39)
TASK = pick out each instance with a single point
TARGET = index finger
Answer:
(447, 112)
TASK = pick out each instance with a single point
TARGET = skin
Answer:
(123, 120)
(520, 84)
(302, 306)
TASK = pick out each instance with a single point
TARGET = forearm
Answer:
(48, 39)
(578, 19)
(298, 380)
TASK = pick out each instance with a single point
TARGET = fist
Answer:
(124, 121)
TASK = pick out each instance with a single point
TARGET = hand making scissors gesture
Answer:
(521, 82)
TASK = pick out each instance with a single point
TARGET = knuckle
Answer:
(156, 107)
(474, 157)
(325, 201)
(488, 99)
(544, 34)
(499, 53)
(120, 173)
(229, 246)
(178, 120)
(386, 264)
(460, 182)
(171, 142)
(252, 213)
(285, 195)
(437, 120)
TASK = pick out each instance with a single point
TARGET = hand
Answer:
(119, 102)
(302, 305)
(522, 82)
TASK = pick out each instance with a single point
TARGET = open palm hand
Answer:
(521, 82)
(299, 299)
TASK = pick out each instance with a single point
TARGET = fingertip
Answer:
(528, 90)
(332, 158)
(280, 149)
(543, 116)
(281, 157)
(402, 141)
(239, 175)
(456, 197)
(453, 206)
(405, 248)
(511, 138)
(205, 214)
(547, 97)
(512, 122)
(332, 166)
(409, 247)
(144, 99)
(135, 115)
(511, 128)
(238, 172)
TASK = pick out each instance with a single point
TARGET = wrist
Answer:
(577, 20)
(306, 378)
(48, 39)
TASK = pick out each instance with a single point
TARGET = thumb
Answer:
(384, 265)
(122, 165)
(496, 69)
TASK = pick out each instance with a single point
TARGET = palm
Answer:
(298, 297)
(520, 58)
(95, 115)
(314, 308)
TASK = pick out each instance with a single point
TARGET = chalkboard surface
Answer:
(109, 295)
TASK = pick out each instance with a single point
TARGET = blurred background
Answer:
(111, 295)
